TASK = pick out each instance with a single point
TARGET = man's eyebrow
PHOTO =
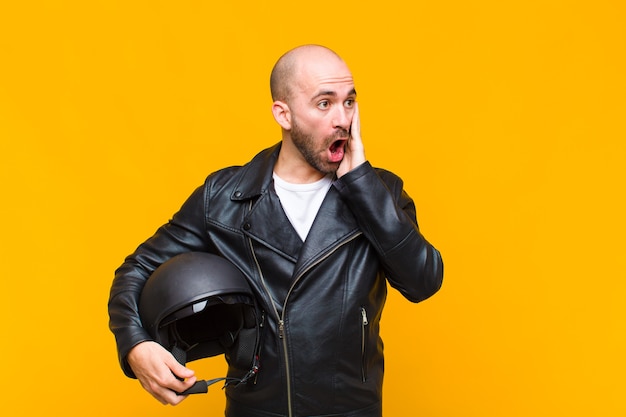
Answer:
(331, 93)
(324, 93)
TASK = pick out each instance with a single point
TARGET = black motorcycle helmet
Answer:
(199, 305)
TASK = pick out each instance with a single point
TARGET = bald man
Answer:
(318, 233)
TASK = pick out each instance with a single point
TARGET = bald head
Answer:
(289, 67)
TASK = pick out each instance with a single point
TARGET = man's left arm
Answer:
(387, 217)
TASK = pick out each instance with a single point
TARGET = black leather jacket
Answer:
(323, 299)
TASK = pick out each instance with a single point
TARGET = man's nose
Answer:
(341, 118)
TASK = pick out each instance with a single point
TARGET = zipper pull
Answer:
(281, 328)
(364, 315)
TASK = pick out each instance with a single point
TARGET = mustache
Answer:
(340, 133)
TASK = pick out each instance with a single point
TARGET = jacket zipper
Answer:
(364, 323)
(281, 318)
(261, 326)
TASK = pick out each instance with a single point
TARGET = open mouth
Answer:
(337, 150)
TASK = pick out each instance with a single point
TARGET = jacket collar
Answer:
(334, 223)
(256, 175)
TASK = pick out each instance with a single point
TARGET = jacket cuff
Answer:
(351, 176)
(123, 349)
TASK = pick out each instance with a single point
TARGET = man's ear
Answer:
(282, 114)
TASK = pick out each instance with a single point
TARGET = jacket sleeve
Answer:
(386, 214)
(183, 233)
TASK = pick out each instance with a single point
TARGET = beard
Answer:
(305, 143)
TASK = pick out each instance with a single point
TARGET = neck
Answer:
(293, 168)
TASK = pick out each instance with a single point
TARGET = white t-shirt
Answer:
(301, 202)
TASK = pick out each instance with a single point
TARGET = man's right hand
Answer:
(157, 371)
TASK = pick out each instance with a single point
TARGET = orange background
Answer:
(506, 120)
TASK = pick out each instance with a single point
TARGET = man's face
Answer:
(322, 106)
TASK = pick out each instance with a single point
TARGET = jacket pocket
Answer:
(364, 323)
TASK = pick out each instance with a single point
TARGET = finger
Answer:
(181, 386)
(355, 128)
(167, 396)
(178, 369)
(180, 378)
(166, 391)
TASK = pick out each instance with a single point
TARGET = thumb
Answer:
(178, 369)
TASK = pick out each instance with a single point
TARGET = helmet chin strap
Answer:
(202, 386)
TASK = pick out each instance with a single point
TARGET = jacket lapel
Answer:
(264, 220)
(334, 224)
(267, 223)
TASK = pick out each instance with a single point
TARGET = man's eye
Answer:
(349, 102)
(323, 104)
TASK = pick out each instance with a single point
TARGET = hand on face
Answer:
(355, 152)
